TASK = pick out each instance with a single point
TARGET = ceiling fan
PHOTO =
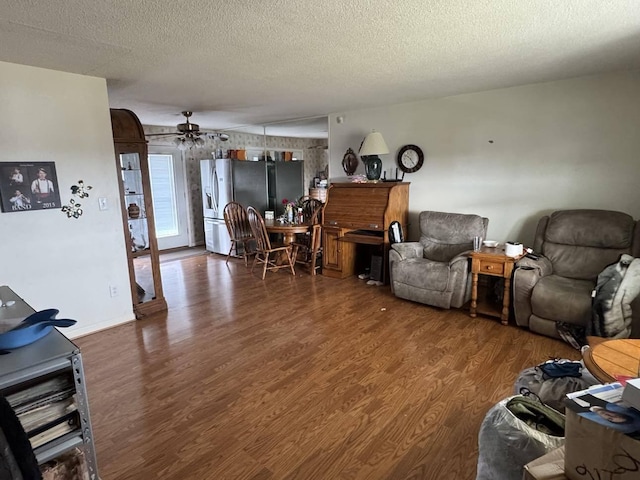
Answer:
(189, 134)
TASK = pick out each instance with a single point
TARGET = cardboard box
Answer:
(593, 451)
(547, 467)
(631, 393)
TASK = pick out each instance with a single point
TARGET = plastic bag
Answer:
(506, 443)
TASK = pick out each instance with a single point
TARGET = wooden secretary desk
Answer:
(360, 213)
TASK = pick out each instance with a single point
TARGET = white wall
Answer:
(49, 260)
(566, 144)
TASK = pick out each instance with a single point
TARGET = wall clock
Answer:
(410, 158)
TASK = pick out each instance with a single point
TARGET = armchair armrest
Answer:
(527, 273)
(461, 257)
(400, 252)
(542, 267)
(408, 249)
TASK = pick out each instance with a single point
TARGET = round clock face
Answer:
(410, 158)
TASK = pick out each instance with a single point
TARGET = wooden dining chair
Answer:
(237, 222)
(283, 255)
(309, 245)
(311, 209)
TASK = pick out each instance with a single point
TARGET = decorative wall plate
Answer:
(350, 162)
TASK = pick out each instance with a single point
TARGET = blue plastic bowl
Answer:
(23, 336)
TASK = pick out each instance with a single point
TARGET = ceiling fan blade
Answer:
(161, 134)
(223, 137)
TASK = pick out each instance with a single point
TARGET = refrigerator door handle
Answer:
(216, 189)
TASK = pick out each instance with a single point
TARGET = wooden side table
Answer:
(606, 359)
(493, 262)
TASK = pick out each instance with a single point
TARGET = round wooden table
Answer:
(607, 358)
(288, 230)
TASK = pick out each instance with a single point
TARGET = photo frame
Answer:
(28, 186)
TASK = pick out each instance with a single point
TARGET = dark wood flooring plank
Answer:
(297, 377)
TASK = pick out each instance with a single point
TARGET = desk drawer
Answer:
(491, 268)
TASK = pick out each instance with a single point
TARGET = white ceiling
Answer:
(248, 62)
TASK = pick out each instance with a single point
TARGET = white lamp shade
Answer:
(374, 144)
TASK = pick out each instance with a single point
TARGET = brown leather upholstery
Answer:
(576, 246)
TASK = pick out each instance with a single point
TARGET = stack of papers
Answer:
(604, 405)
(631, 393)
(46, 410)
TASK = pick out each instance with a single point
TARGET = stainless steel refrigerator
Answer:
(262, 185)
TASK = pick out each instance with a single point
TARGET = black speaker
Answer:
(375, 272)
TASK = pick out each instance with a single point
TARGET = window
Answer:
(163, 191)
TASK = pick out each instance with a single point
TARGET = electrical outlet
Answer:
(113, 290)
(102, 204)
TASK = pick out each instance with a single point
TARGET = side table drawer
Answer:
(491, 268)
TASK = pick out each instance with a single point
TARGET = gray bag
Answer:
(552, 391)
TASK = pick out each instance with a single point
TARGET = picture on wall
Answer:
(26, 186)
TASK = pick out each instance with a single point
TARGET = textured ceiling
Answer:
(257, 61)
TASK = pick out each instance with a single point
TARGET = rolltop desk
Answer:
(360, 214)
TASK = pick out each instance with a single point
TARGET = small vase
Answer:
(372, 166)
(134, 210)
(289, 214)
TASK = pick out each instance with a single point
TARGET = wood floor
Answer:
(296, 378)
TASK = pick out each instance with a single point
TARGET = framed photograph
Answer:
(26, 186)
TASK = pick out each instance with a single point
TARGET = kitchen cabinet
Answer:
(338, 256)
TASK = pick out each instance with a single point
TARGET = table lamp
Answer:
(372, 146)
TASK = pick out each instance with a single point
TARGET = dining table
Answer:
(287, 230)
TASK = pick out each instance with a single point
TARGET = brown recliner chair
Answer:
(576, 245)
(435, 270)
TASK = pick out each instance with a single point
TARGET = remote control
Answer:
(532, 256)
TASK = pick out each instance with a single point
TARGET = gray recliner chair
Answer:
(576, 245)
(435, 270)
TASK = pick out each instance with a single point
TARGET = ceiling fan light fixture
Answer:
(189, 135)
(188, 142)
(179, 142)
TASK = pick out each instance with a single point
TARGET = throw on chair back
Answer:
(237, 222)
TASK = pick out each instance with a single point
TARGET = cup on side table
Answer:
(477, 243)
